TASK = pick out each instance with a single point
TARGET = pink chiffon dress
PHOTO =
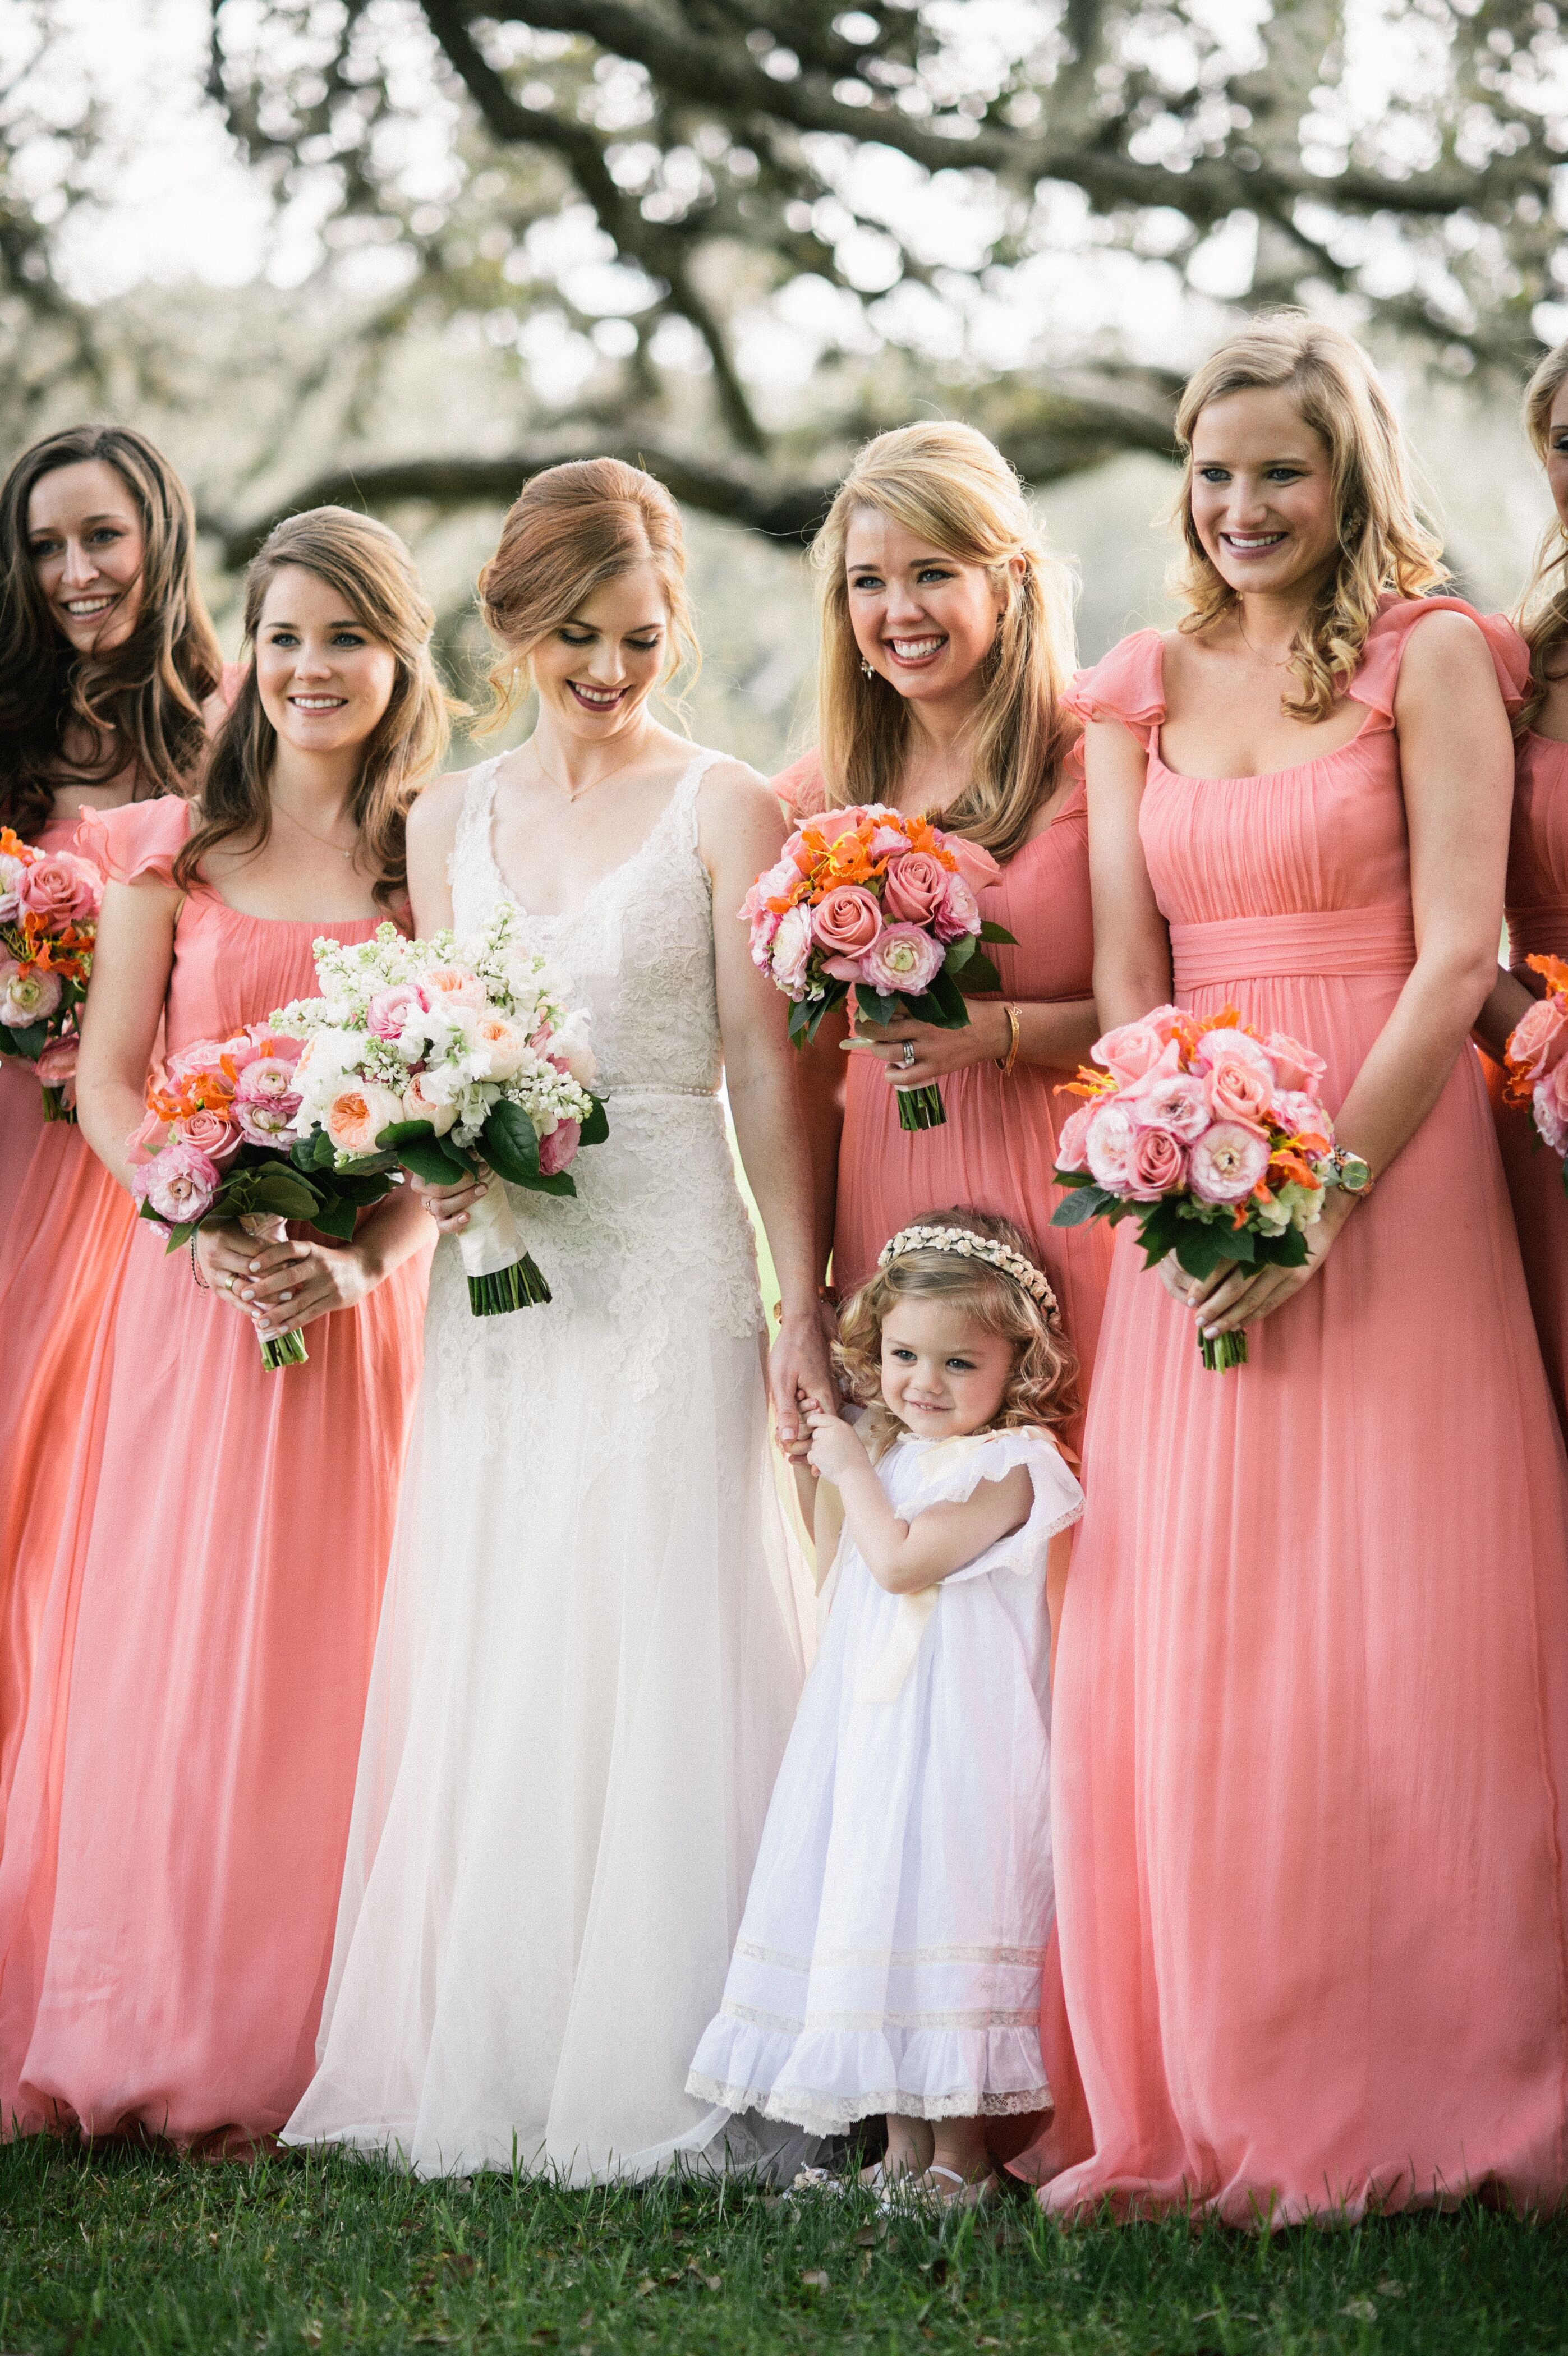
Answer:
(1538, 926)
(183, 1785)
(1311, 1738)
(63, 1221)
(998, 1147)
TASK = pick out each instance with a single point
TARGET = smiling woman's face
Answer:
(925, 620)
(86, 543)
(1262, 494)
(596, 671)
(324, 682)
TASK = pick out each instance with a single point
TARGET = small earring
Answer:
(869, 669)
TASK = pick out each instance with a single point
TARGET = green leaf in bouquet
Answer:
(959, 952)
(337, 1216)
(597, 1128)
(509, 1144)
(989, 932)
(1087, 1202)
(980, 975)
(282, 1194)
(1288, 1251)
(880, 1006)
(415, 1144)
(312, 1153)
(29, 1042)
(806, 1013)
(1159, 1231)
(1197, 1250)
(1238, 1243)
(943, 1004)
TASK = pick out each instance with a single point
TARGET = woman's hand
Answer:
(450, 1205)
(287, 1283)
(985, 1037)
(1234, 1296)
(799, 1371)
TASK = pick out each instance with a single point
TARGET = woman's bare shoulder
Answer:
(434, 810)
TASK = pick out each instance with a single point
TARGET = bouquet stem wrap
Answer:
(285, 1349)
(502, 1275)
(920, 1107)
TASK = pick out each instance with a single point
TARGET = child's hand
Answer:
(836, 1446)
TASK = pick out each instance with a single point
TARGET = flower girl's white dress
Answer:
(890, 1955)
(590, 1650)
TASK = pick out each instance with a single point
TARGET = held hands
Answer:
(799, 1371)
(1234, 1296)
(836, 1447)
(984, 1038)
(286, 1284)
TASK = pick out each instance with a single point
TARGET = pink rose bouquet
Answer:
(1212, 1136)
(869, 900)
(437, 1057)
(50, 902)
(221, 1141)
(1536, 1059)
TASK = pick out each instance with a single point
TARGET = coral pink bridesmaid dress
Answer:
(1311, 1733)
(998, 1147)
(62, 1223)
(182, 1791)
(1538, 926)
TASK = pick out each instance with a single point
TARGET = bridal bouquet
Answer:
(436, 1056)
(1212, 1137)
(220, 1142)
(1536, 1059)
(48, 917)
(870, 900)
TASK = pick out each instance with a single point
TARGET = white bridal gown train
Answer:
(591, 1646)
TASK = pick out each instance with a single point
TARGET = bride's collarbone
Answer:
(557, 855)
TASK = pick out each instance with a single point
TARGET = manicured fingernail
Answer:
(255, 1264)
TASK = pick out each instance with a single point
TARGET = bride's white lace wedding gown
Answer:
(591, 1646)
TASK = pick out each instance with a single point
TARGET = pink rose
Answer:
(960, 911)
(844, 923)
(915, 888)
(1073, 1142)
(417, 1105)
(1296, 1067)
(389, 1009)
(1157, 1165)
(1171, 1100)
(1301, 1115)
(179, 1184)
(976, 866)
(1109, 1146)
(211, 1133)
(266, 1120)
(201, 1056)
(792, 954)
(902, 958)
(1227, 1163)
(828, 827)
(1233, 1045)
(451, 985)
(28, 993)
(1539, 1039)
(559, 1148)
(1130, 1051)
(265, 1079)
(1550, 1101)
(55, 1068)
(358, 1114)
(61, 889)
(1239, 1090)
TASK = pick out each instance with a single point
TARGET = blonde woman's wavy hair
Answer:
(953, 488)
(1542, 611)
(1383, 545)
(1043, 1385)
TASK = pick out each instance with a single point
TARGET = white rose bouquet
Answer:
(436, 1056)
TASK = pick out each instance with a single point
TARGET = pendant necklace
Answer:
(324, 841)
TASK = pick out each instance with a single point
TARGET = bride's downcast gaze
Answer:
(917, 1728)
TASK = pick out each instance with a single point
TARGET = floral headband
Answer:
(967, 1245)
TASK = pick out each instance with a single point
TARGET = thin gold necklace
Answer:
(565, 786)
(324, 840)
(1275, 662)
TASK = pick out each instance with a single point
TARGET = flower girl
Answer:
(889, 1959)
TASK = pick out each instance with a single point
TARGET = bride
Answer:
(591, 1645)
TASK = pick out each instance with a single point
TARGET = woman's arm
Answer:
(906, 1557)
(1132, 945)
(740, 833)
(432, 830)
(133, 958)
(820, 1069)
(1508, 1000)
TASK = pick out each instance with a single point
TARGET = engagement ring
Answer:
(908, 1053)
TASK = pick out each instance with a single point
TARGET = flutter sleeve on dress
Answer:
(1376, 684)
(801, 787)
(955, 1470)
(138, 839)
(1128, 686)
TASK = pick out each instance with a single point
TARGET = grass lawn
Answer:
(122, 2250)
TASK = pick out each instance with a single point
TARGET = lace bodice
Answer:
(657, 1238)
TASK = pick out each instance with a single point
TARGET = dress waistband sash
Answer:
(617, 1093)
(1539, 931)
(1327, 942)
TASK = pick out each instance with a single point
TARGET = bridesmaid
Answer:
(1312, 1688)
(1537, 900)
(109, 670)
(184, 1781)
(947, 641)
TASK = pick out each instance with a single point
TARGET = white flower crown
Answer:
(967, 1245)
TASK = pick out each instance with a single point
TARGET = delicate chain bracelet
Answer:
(1006, 1063)
(195, 1267)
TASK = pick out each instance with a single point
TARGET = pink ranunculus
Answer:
(1227, 1162)
(1216, 1046)
(1072, 1140)
(976, 866)
(358, 1114)
(266, 1120)
(559, 1148)
(845, 921)
(888, 838)
(1238, 1089)
(1539, 1039)
(1171, 1100)
(1108, 1147)
(1131, 1051)
(1301, 1114)
(417, 1105)
(791, 953)
(1549, 1103)
(914, 889)
(960, 911)
(212, 1133)
(201, 1056)
(177, 1184)
(1296, 1067)
(389, 1009)
(902, 958)
(55, 1068)
(451, 985)
(1157, 1165)
(61, 889)
(28, 993)
(265, 1079)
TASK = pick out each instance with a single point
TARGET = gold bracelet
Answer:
(1005, 1063)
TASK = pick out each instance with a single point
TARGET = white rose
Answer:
(572, 1046)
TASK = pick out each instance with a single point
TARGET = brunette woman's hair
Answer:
(953, 488)
(1542, 613)
(1384, 546)
(572, 529)
(1043, 1385)
(138, 704)
(367, 565)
